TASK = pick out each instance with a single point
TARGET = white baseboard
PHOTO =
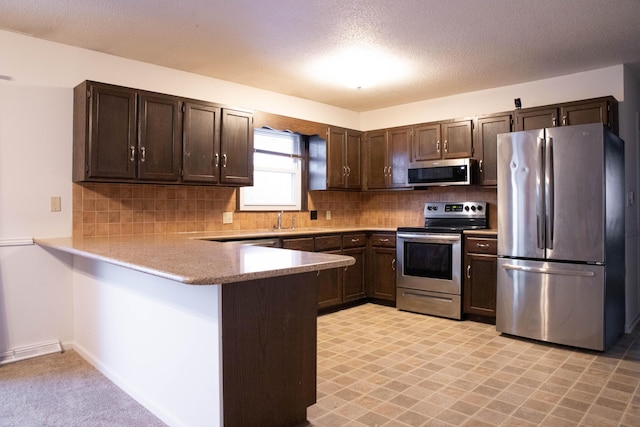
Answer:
(27, 352)
(16, 241)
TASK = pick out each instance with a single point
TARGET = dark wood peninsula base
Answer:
(269, 340)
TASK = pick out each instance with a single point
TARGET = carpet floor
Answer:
(63, 389)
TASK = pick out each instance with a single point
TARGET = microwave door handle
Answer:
(539, 193)
(549, 192)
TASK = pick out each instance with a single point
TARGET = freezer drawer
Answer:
(556, 302)
(433, 303)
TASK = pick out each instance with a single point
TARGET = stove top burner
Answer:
(452, 217)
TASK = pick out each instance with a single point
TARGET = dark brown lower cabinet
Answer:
(330, 285)
(354, 245)
(382, 267)
(480, 278)
(269, 334)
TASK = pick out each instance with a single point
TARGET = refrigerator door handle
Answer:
(549, 190)
(539, 194)
(555, 271)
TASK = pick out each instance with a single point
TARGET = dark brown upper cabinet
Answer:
(597, 110)
(388, 158)
(121, 134)
(236, 147)
(159, 137)
(201, 143)
(335, 163)
(451, 139)
(129, 135)
(486, 145)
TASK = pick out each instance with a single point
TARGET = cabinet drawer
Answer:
(478, 245)
(354, 240)
(301, 244)
(383, 240)
(328, 243)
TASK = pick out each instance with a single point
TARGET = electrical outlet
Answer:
(227, 217)
(56, 204)
(328, 215)
(314, 215)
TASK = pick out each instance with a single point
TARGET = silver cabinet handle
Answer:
(143, 157)
(344, 171)
(393, 264)
(384, 240)
(469, 271)
(224, 160)
(355, 240)
(482, 245)
(438, 146)
(554, 121)
(481, 166)
(446, 146)
(565, 122)
(390, 171)
(217, 159)
(133, 153)
(348, 170)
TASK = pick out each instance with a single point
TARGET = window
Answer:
(277, 173)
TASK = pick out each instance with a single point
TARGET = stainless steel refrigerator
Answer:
(561, 260)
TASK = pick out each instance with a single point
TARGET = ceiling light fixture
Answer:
(360, 68)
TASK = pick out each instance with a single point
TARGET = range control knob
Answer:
(466, 208)
(479, 208)
(435, 208)
(429, 208)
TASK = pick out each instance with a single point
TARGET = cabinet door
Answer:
(353, 160)
(112, 147)
(383, 274)
(201, 143)
(299, 244)
(426, 143)
(160, 137)
(330, 285)
(480, 285)
(377, 166)
(353, 276)
(536, 118)
(236, 148)
(457, 139)
(488, 128)
(398, 142)
(336, 168)
(586, 112)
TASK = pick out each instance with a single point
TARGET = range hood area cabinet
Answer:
(335, 162)
(388, 158)
(128, 135)
(596, 110)
(450, 139)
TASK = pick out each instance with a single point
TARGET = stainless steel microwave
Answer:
(442, 172)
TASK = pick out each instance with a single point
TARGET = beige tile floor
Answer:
(378, 366)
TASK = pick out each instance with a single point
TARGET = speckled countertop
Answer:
(187, 259)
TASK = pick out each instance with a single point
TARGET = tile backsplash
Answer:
(123, 209)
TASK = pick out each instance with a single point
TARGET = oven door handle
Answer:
(430, 238)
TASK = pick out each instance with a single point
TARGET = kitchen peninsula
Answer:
(200, 332)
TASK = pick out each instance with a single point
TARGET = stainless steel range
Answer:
(429, 273)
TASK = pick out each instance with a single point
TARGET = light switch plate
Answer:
(328, 215)
(56, 204)
(227, 217)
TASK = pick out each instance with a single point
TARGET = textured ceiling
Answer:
(445, 46)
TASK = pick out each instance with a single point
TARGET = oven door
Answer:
(429, 261)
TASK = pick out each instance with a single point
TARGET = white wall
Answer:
(157, 339)
(590, 84)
